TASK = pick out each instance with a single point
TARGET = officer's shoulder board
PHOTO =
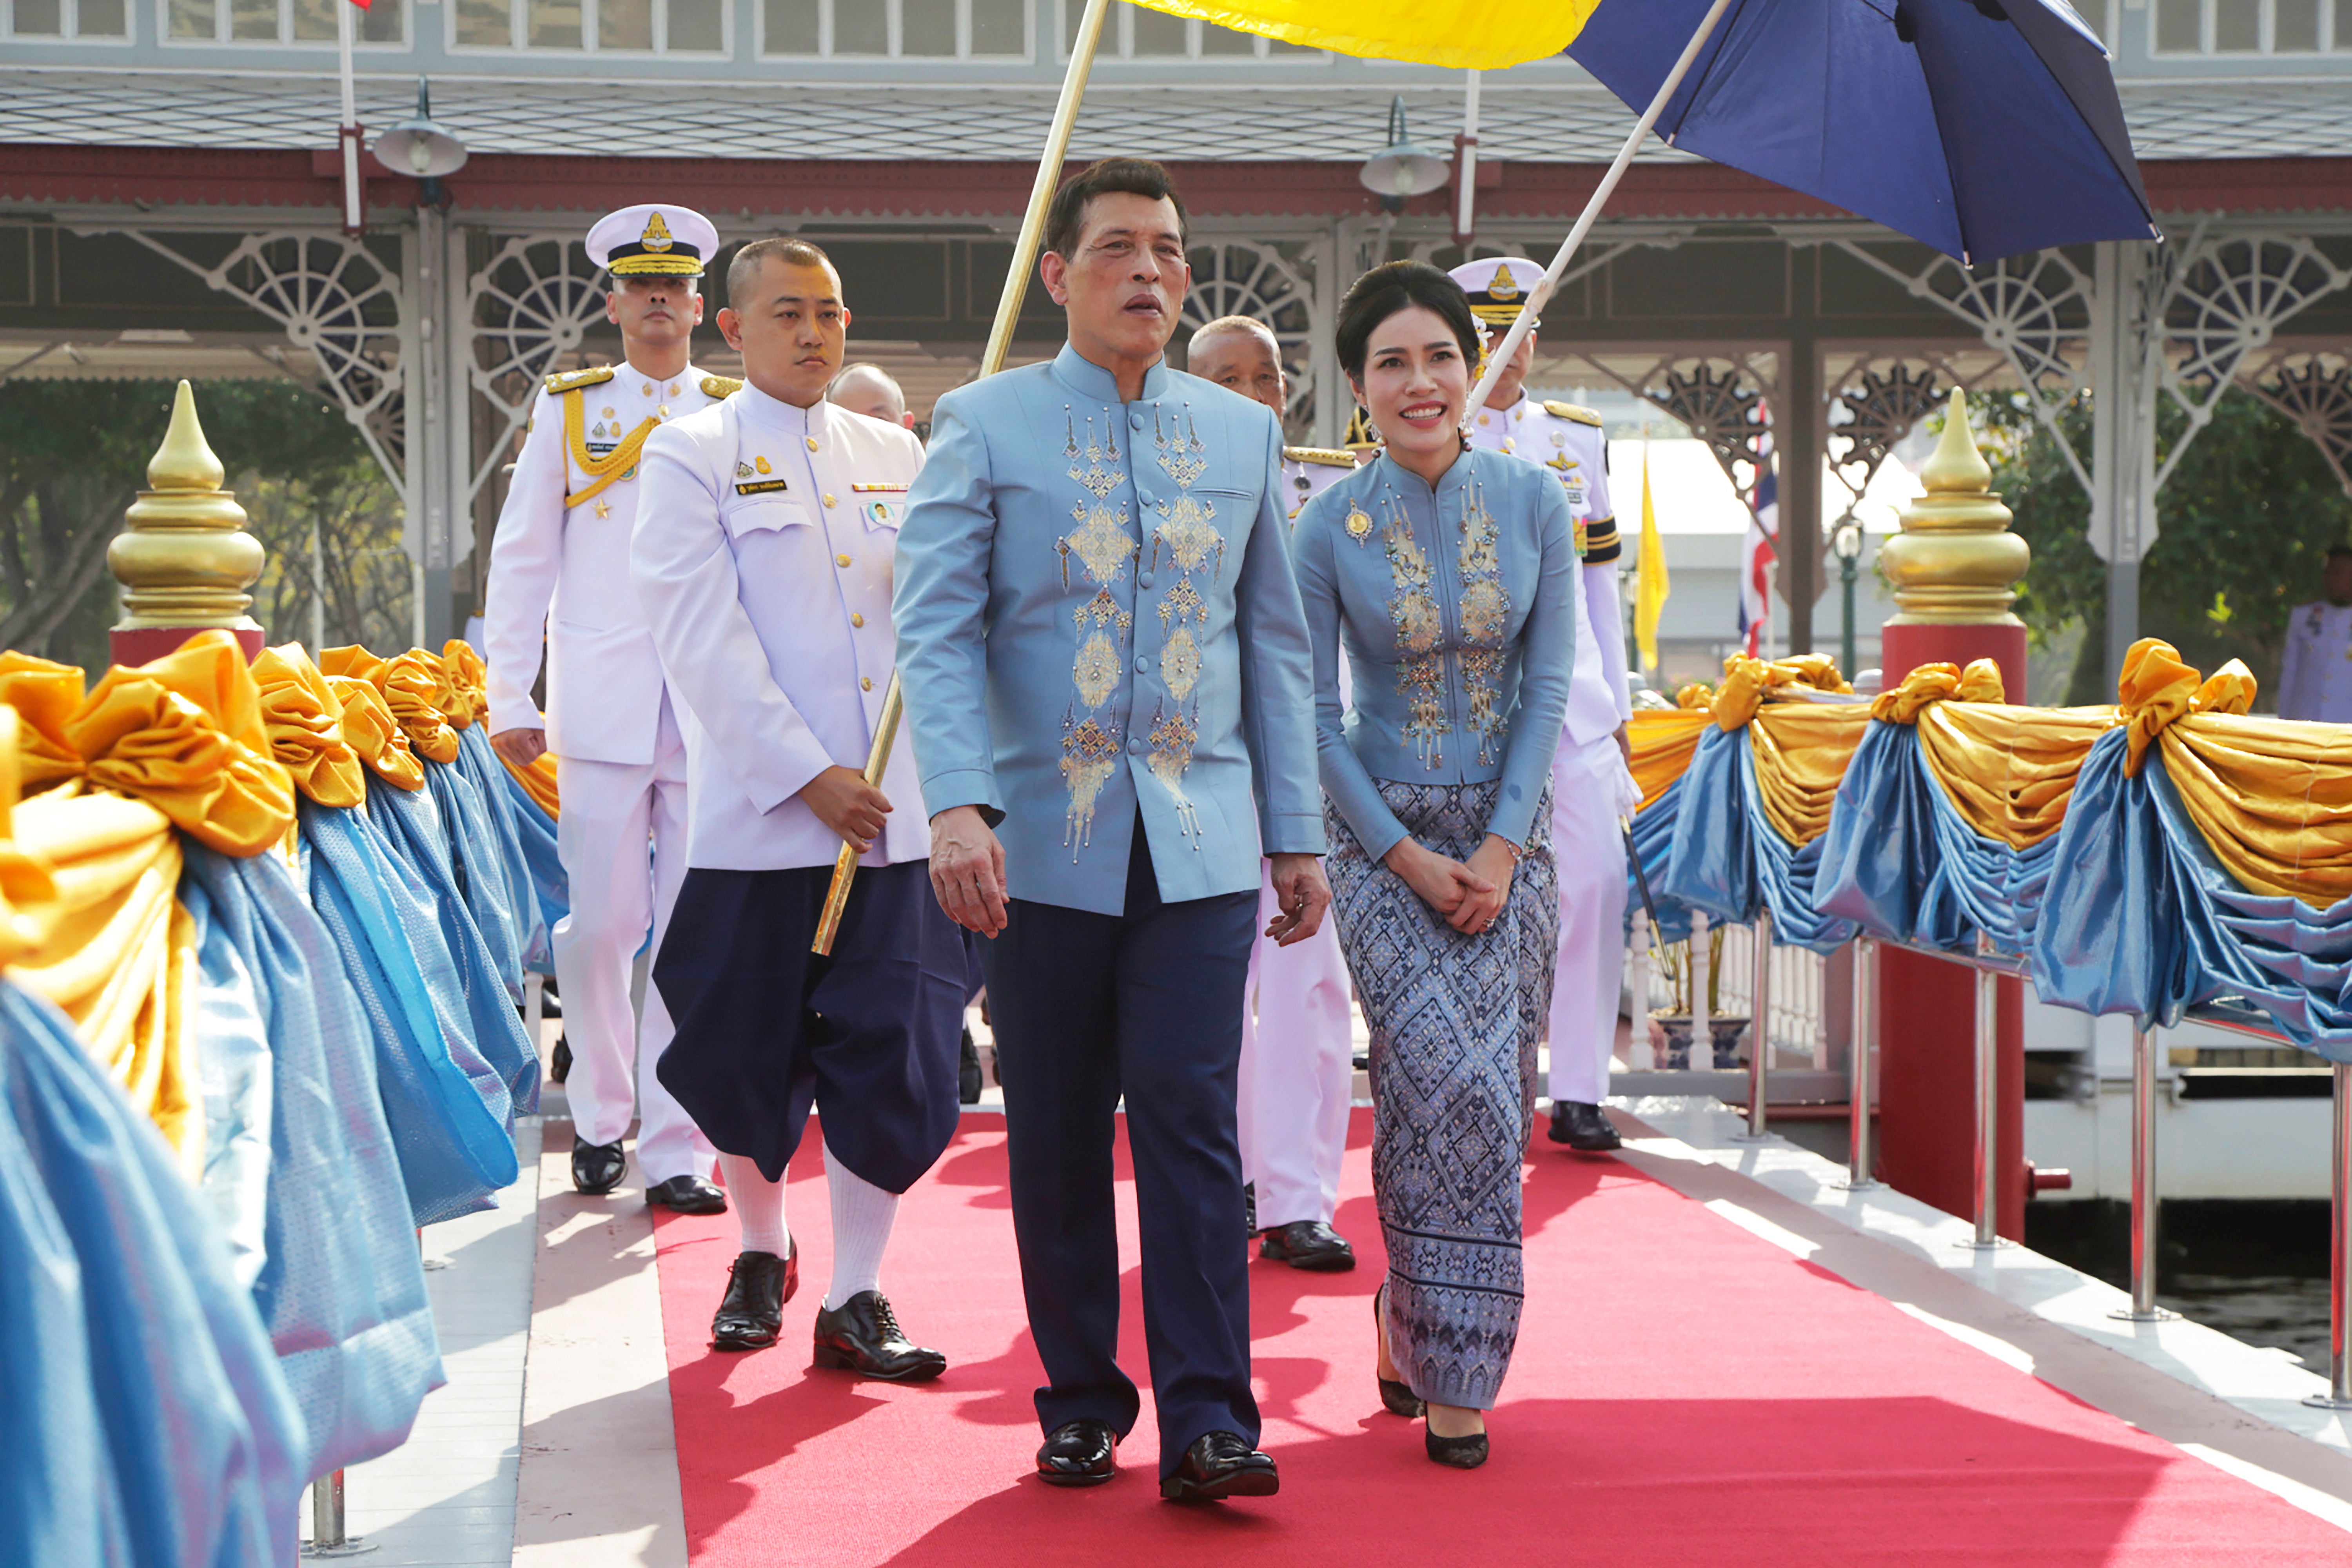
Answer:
(1577, 411)
(573, 380)
(1321, 457)
(722, 385)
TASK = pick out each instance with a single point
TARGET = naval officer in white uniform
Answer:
(2315, 672)
(560, 577)
(1297, 1073)
(1590, 776)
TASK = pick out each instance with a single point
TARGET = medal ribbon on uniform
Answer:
(614, 464)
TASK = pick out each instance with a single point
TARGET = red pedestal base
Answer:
(145, 643)
(1927, 1011)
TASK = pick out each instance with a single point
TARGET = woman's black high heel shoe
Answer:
(1465, 1453)
(1398, 1398)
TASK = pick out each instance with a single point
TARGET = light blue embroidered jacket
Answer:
(1458, 609)
(1096, 613)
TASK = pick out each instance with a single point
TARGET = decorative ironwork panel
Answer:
(531, 303)
(2316, 392)
(1246, 278)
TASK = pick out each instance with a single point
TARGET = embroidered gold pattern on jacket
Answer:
(1104, 542)
(1188, 532)
(1485, 608)
(1171, 737)
(1412, 607)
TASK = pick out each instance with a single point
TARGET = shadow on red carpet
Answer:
(1683, 1393)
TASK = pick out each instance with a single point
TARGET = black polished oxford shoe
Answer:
(1218, 1466)
(689, 1194)
(1584, 1128)
(758, 1286)
(1078, 1454)
(862, 1335)
(1307, 1243)
(597, 1168)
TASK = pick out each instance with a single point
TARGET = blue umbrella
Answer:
(1983, 128)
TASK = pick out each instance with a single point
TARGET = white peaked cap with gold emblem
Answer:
(1497, 287)
(656, 239)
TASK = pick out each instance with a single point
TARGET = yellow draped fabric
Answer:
(2009, 772)
(2272, 796)
(416, 688)
(371, 733)
(1746, 680)
(1477, 38)
(184, 733)
(46, 696)
(538, 782)
(1800, 751)
(1663, 741)
(28, 892)
(305, 724)
(469, 678)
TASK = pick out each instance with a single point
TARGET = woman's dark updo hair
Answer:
(1399, 286)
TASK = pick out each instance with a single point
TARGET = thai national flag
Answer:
(1757, 553)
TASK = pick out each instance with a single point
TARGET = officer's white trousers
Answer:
(1297, 1071)
(621, 831)
(1590, 849)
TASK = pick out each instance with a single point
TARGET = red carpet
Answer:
(1683, 1393)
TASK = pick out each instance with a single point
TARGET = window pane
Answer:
(861, 28)
(997, 27)
(100, 19)
(37, 19)
(253, 19)
(2343, 26)
(789, 26)
(555, 24)
(1073, 11)
(2177, 22)
(2237, 25)
(625, 24)
(2296, 27)
(1216, 41)
(695, 26)
(380, 24)
(484, 23)
(192, 18)
(314, 20)
(926, 27)
(1157, 32)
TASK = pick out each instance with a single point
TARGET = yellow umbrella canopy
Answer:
(1479, 36)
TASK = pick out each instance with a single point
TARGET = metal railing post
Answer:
(1988, 1107)
(1702, 1026)
(327, 1536)
(1862, 1030)
(2339, 1256)
(1759, 1027)
(2144, 1197)
(1638, 1055)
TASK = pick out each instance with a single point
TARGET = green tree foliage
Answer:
(73, 456)
(2245, 522)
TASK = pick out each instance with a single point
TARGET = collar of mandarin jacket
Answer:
(1082, 375)
(789, 415)
(1449, 487)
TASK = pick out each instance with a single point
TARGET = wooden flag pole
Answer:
(1000, 342)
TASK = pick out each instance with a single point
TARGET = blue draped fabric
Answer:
(536, 831)
(446, 1108)
(1728, 859)
(1900, 860)
(145, 1417)
(413, 832)
(2141, 917)
(239, 1086)
(482, 769)
(478, 868)
(1654, 841)
(343, 1290)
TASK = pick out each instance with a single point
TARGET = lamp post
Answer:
(1403, 168)
(1845, 542)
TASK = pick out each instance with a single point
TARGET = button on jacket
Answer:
(1457, 606)
(762, 557)
(1096, 614)
(559, 575)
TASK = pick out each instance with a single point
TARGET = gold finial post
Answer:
(184, 558)
(1955, 563)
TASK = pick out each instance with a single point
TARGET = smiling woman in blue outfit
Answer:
(1447, 574)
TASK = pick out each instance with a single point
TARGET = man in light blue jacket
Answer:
(1105, 662)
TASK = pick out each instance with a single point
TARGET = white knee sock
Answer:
(862, 1216)
(758, 1205)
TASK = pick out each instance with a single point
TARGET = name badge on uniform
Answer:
(760, 487)
(878, 488)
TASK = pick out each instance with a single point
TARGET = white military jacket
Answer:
(2316, 669)
(1309, 471)
(1570, 441)
(763, 554)
(560, 565)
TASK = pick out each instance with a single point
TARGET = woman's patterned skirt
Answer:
(1454, 1023)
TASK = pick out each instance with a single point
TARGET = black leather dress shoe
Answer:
(1249, 1208)
(1219, 1466)
(597, 1168)
(1583, 1127)
(1078, 1454)
(751, 1312)
(689, 1194)
(1307, 1243)
(862, 1335)
(968, 1081)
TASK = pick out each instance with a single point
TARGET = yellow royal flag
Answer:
(1479, 37)
(1649, 584)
